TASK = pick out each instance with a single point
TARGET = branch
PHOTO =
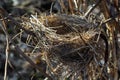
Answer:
(4, 27)
(91, 9)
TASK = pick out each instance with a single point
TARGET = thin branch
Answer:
(7, 46)
(91, 9)
(6, 61)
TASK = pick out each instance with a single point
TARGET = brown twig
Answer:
(112, 27)
(71, 6)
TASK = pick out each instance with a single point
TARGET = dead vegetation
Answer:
(71, 45)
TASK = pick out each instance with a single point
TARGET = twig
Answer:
(7, 49)
(112, 27)
(75, 2)
(110, 19)
(91, 9)
(71, 6)
(51, 8)
(63, 8)
(7, 46)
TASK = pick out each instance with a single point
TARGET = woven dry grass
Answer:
(71, 46)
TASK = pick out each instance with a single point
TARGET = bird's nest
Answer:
(71, 45)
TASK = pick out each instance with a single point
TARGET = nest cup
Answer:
(69, 43)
